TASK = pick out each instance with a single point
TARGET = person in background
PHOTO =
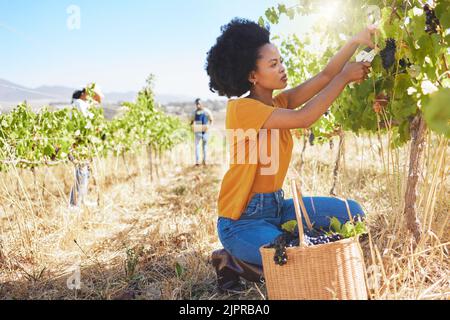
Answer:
(81, 101)
(201, 122)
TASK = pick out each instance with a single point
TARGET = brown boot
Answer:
(229, 269)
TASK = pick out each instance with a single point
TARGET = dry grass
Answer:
(153, 240)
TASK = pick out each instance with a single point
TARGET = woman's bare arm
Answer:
(301, 94)
(314, 109)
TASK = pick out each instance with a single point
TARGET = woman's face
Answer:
(84, 96)
(96, 97)
(270, 72)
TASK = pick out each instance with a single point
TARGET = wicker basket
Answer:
(324, 272)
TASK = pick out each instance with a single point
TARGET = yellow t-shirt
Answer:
(266, 174)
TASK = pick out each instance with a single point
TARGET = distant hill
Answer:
(12, 93)
(187, 108)
(56, 91)
(173, 98)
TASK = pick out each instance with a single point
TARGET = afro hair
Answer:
(234, 56)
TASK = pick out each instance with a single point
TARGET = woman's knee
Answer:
(243, 239)
(355, 208)
(246, 251)
(288, 211)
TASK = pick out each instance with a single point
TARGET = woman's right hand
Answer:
(356, 71)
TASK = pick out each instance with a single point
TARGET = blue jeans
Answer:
(201, 137)
(261, 221)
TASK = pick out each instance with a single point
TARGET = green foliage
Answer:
(348, 229)
(437, 112)
(302, 64)
(29, 139)
(410, 89)
(289, 226)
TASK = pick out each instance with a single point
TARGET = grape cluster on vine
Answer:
(432, 22)
(405, 63)
(311, 138)
(388, 54)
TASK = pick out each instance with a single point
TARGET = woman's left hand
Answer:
(365, 36)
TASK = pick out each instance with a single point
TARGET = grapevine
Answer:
(29, 139)
(408, 90)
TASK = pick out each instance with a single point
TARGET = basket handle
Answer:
(347, 207)
(302, 206)
(298, 214)
(298, 203)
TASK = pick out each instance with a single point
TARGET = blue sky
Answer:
(119, 43)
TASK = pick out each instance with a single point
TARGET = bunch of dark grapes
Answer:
(323, 239)
(388, 54)
(289, 240)
(312, 137)
(404, 63)
(280, 244)
(432, 22)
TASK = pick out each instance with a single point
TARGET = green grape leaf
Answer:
(289, 226)
(360, 228)
(445, 20)
(437, 112)
(403, 82)
(417, 24)
(404, 131)
(443, 13)
(335, 225)
(348, 230)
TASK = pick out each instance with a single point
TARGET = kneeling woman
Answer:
(251, 203)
